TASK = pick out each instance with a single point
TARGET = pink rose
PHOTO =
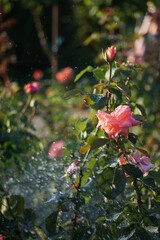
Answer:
(117, 122)
(142, 163)
(1, 237)
(124, 115)
(64, 75)
(111, 52)
(31, 87)
(72, 168)
(56, 149)
(109, 124)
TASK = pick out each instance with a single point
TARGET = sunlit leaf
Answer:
(91, 163)
(79, 75)
(40, 233)
(81, 124)
(142, 109)
(113, 217)
(100, 72)
(84, 148)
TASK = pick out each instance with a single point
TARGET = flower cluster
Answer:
(119, 121)
(32, 87)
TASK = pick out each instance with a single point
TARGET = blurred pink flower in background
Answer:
(72, 168)
(31, 87)
(1, 237)
(37, 74)
(117, 122)
(56, 149)
(111, 52)
(64, 75)
(142, 163)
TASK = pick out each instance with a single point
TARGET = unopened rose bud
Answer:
(111, 52)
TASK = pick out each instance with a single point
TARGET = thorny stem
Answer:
(109, 80)
(139, 202)
(78, 188)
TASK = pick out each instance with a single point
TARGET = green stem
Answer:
(27, 104)
(109, 81)
(138, 193)
(78, 191)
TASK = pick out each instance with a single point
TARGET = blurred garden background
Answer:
(44, 45)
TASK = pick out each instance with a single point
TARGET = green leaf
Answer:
(112, 182)
(51, 222)
(132, 171)
(127, 236)
(119, 182)
(95, 101)
(143, 151)
(85, 178)
(96, 97)
(29, 216)
(100, 219)
(113, 217)
(100, 72)
(99, 142)
(16, 203)
(141, 233)
(150, 183)
(98, 105)
(84, 148)
(132, 138)
(79, 75)
(74, 93)
(117, 92)
(142, 109)
(81, 124)
(155, 175)
(91, 163)
(125, 90)
(40, 233)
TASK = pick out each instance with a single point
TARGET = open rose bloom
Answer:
(56, 149)
(31, 87)
(119, 121)
(142, 163)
